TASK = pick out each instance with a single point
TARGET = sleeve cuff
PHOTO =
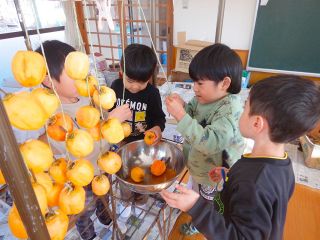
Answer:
(194, 211)
(184, 123)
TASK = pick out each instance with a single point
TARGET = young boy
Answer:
(209, 122)
(255, 197)
(143, 98)
(144, 101)
(56, 52)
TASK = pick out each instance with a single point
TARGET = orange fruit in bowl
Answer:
(137, 174)
(149, 137)
(158, 167)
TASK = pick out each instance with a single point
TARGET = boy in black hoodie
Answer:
(143, 98)
(253, 203)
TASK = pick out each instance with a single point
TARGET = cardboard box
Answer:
(311, 152)
(186, 51)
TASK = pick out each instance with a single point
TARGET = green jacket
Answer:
(208, 130)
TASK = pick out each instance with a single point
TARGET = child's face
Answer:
(207, 91)
(134, 86)
(66, 87)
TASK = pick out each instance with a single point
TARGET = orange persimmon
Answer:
(158, 167)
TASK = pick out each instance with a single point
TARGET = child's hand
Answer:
(178, 98)
(183, 200)
(123, 113)
(157, 131)
(175, 107)
(215, 173)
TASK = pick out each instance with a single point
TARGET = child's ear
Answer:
(259, 124)
(226, 82)
(46, 82)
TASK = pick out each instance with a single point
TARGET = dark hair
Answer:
(290, 104)
(141, 62)
(216, 62)
(56, 53)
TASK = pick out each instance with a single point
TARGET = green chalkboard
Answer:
(286, 37)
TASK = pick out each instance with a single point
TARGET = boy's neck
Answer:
(268, 149)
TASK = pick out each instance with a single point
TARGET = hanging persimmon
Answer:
(28, 68)
(16, 225)
(87, 116)
(53, 195)
(77, 65)
(112, 131)
(2, 180)
(95, 132)
(44, 180)
(47, 99)
(105, 97)
(110, 162)
(57, 224)
(100, 185)
(24, 111)
(72, 199)
(59, 125)
(80, 172)
(126, 129)
(79, 143)
(37, 155)
(58, 170)
(86, 86)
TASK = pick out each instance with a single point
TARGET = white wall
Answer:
(199, 21)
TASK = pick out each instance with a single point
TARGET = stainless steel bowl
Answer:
(137, 153)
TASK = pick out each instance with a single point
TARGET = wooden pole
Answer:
(17, 177)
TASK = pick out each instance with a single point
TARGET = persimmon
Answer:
(24, 111)
(2, 180)
(72, 199)
(47, 99)
(110, 162)
(53, 195)
(16, 225)
(87, 116)
(79, 143)
(86, 86)
(58, 170)
(80, 172)
(158, 167)
(77, 65)
(37, 155)
(41, 196)
(57, 224)
(95, 132)
(44, 180)
(112, 131)
(126, 129)
(137, 174)
(100, 185)
(59, 125)
(149, 137)
(105, 97)
(28, 68)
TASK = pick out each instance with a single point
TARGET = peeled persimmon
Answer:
(149, 137)
(137, 174)
(158, 167)
(59, 125)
